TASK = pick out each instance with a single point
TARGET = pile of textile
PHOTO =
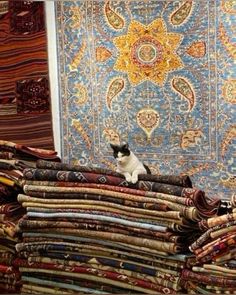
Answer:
(214, 270)
(13, 160)
(89, 230)
(9, 217)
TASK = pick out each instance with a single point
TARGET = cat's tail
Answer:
(147, 169)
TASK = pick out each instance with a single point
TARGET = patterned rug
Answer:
(25, 116)
(158, 74)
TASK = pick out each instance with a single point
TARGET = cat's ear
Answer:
(113, 146)
(126, 146)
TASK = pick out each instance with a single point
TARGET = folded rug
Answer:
(182, 180)
(91, 177)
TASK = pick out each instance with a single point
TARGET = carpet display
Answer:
(89, 230)
(214, 270)
(25, 112)
(158, 74)
(14, 158)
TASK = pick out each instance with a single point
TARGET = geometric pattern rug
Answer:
(25, 113)
(159, 75)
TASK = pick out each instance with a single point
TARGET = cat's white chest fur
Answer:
(130, 167)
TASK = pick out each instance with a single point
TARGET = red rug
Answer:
(25, 114)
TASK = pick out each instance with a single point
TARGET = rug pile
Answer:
(14, 158)
(88, 230)
(215, 251)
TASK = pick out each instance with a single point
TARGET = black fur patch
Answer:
(147, 169)
(123, 149)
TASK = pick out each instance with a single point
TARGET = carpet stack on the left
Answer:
(10, 213)
(13, 159)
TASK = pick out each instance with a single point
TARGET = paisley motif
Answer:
(113, 18)
(182, 13)
(229, 6)
(77, 58)
(102, 54)
(191, 138)
(81, 94)
(183, 87)
(197, 49)
(115, 87)
(111, 135)
(229, 136)
(80, 129)
(148, 119)
(231, 47)
(229, 91)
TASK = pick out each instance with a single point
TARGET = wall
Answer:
(157, 74)
(53, 72)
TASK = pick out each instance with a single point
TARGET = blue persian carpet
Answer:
(157, 74)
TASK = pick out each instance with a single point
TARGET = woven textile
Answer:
(25, 113)
(13, 159)
(214, 266)
(159, 75)
(168, 179)
(90, 223)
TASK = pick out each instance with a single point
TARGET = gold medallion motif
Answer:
(148, 52)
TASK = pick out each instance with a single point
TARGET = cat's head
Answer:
(121, 152)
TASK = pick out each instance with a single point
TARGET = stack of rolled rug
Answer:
(14, 159)
(10, 213)
(88, 230)
(214, 271)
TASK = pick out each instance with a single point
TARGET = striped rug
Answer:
(25, 114)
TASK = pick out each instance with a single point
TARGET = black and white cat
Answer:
(127, 163)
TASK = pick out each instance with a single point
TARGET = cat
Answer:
(127, 163)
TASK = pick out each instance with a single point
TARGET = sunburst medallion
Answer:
(148, 52)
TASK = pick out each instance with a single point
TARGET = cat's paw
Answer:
(128, 178)
(134, 179)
